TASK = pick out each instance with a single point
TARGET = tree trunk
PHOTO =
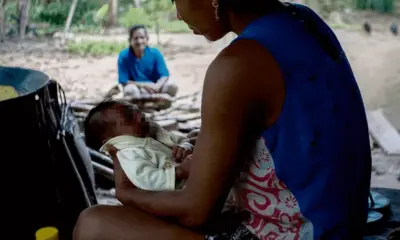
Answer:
(2, 19)
(70, 16)
(23, 17)
(112, 13)
(157, 30)
(137, 3)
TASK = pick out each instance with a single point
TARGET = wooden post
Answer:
(137, 3)
(23, 17)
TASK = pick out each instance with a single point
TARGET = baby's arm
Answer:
(183, 149)
(144, 174)
(168, 138)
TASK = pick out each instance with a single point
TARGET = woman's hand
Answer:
(120, 178)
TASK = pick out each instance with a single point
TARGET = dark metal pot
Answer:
(46, 177)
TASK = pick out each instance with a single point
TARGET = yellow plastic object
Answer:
(7, 92)
(47, 233)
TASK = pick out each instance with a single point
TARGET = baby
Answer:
(148, 154)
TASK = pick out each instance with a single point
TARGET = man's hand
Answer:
(120, 178)
(180, 153)
(150, 89)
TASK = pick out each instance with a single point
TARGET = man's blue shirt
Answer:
(149, 68)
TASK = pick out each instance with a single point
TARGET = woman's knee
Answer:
(89, 224)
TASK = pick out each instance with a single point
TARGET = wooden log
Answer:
(80, 114)
(192, 108)
(188, 117)
(113, 91)
(151, 97)
(169, 125)
(195, 94)
(78, 107)
(163, 112)
(98, 155)
(189, 126)
(86, 101)
(383, 132)
(103, 170)
(144, 98)
(179, 118)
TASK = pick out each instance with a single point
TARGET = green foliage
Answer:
(386, 6)
(135, 16)
(155, 7)
(91, 15)
(96, 48)
(11, 9)
(175, 27)
(55, 13)
(101, 15)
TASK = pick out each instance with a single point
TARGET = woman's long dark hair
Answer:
(248, 7)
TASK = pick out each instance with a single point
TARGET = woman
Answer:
(283, 126)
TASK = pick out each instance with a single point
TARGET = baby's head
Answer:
(113, 118)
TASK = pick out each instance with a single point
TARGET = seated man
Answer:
(142, 69)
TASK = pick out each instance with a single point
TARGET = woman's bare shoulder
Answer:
(245, 65)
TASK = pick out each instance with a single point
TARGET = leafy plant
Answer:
(55, 13)
(96, 48)
(101, 14)
(175, 27)
(135, 16)
(157, 10)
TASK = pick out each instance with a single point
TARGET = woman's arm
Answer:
(234, 112)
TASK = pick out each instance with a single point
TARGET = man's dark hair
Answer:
(136, 27)
(96, 124)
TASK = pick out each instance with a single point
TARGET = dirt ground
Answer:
(375, 60)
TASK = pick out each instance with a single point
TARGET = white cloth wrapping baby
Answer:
(148, 162)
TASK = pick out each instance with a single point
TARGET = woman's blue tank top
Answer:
(320, 142)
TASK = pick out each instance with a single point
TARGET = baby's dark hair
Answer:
(96, 124)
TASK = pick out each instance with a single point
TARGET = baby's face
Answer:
(141, 126)
(120, 124)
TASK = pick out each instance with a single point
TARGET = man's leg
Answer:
(127, 223)
(170, 89)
